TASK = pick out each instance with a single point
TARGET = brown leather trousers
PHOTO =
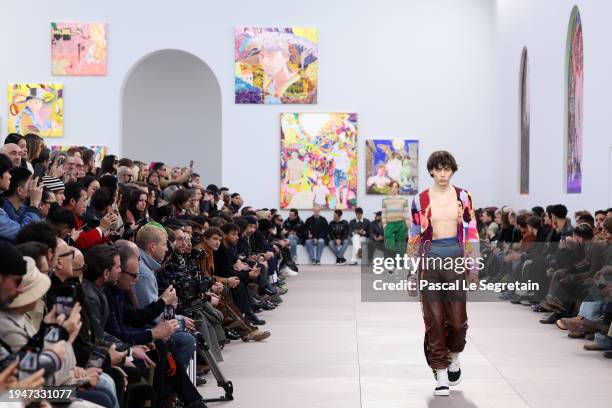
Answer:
(444, 313)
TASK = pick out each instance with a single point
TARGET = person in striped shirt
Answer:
(395, 220)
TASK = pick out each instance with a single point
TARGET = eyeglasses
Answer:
(69, 253)
(81, 269)
(133, 275)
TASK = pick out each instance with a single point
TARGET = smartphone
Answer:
(28, 363)
(169, 312)
(191, 164)
(66, 298)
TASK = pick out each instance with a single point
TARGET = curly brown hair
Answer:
(441, 159)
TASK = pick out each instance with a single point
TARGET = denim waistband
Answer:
(445, 248)
(445, 241)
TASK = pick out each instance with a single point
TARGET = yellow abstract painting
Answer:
(36, 108)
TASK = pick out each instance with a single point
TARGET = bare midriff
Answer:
(445, 210)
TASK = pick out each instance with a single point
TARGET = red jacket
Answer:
(89, 238)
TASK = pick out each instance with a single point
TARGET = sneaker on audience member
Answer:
(342, 261)
(286, 271)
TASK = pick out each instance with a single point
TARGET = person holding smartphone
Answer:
(18, 188)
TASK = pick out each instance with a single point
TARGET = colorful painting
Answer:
(276, 65)
(100, 152)
(36, 108)
(525, 122)
(78, 48)
(318, 160)
(575, 80)
(392, 160)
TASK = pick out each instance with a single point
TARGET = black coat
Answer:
(318, 227)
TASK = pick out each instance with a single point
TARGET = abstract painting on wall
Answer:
(575, 80)
(318, 160)
(525, 122)
(392, 160)
(276, 65)
(100, 152)
(78, 48)
(36, 108)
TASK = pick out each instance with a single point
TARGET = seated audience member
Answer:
(75, 201)
(136, 211)
(18, 330)
(280, 241)
(359, 232)
(18, 189)
(63, 221)
(264, 243)
(108, 166)
(211, 241)
(47, 202)
(338, 237)
(235, 203)
(152, 241)
(562, 226)
(91, 185)
(252, 253)
(317, 229)
(56, 186)
(13, 153)
(489, 225)
(125, 175)
(227, 265)
(377, 236)
(293, 227)
(177, 266)
(129, 324)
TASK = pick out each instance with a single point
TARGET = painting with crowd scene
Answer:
(100, 151)
(36, 108)
(318, 160)
(575, 79)
(525, 101)
(276, 65)
(388, 160)
(78, 48)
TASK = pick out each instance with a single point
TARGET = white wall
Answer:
(410, 68)
(542, 26)
(173, 97)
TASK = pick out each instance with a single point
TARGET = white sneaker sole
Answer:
(441, 393)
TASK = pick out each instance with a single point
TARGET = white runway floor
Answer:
(328, 349)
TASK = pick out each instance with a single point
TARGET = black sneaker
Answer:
(454, 377)
(338, 261)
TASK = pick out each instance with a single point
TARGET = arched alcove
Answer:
(171, 112)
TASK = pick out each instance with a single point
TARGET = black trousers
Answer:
(240, 294)
(168, 379)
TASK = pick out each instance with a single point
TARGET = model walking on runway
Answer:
(444, 226)
(395, 220)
